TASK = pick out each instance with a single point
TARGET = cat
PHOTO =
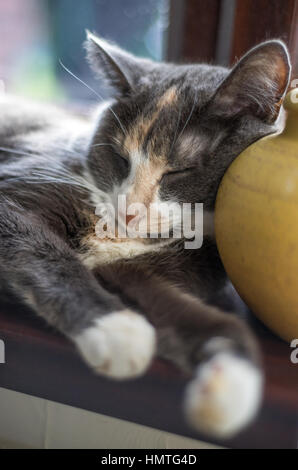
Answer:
(168, 134)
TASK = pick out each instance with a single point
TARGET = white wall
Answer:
(27, 421)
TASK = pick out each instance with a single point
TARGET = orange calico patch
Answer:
(169, 98)
(136, 137)
(145, 186)
(147, 171)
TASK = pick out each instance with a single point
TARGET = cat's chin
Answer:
(224, 396)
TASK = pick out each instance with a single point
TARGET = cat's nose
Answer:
(129, 218)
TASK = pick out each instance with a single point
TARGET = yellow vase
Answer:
(256, 226)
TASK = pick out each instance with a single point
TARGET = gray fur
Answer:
(51, 163)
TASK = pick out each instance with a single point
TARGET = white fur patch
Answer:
(225, 395)
(119, 345)
(109, 250)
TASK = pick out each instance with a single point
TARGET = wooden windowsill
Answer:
(42, 363)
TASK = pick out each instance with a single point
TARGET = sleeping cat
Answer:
(167, 135)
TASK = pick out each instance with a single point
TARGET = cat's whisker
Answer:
(60, 175)
(16, 151)
(80, 80)
(121, 144)
(176, 132)
(102, 145)
(188, 119)
(95, 93)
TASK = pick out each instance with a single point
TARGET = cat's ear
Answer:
(257, 84)
(120, 69)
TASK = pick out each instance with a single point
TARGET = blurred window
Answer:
(36, 34)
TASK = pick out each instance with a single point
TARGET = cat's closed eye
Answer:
(173, 174)
(121, 160)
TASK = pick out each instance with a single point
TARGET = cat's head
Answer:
(171, 131)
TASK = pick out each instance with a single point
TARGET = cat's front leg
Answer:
(226, 389)
(120, 344)
(40, 267)
(217, 349)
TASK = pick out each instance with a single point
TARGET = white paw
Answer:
(119, 345)
(225, 395)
